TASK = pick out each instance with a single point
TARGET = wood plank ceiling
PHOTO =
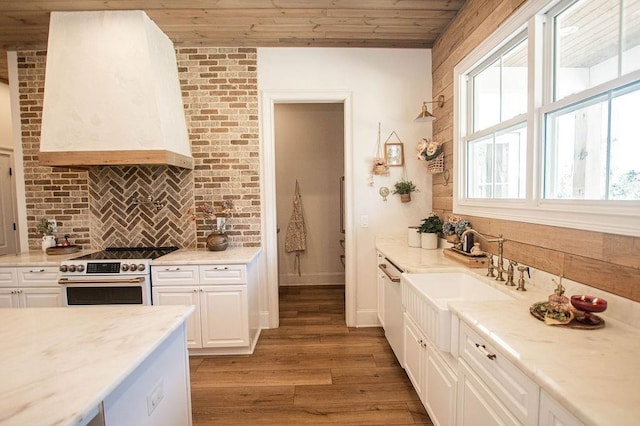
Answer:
(258, 23)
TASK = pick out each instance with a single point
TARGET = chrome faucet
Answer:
(500, 266)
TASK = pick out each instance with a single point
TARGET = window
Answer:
(546, 129)
(495, 148)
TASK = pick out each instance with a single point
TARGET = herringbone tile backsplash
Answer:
(118, 221)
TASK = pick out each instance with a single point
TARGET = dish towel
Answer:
(296, 238)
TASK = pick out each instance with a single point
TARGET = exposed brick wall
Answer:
(220, 93)
(221, 106)
(50, 192)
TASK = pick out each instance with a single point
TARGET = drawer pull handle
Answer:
(220, 269)
(485, 352)
(172, 269)
(393, 278)
(33, 271)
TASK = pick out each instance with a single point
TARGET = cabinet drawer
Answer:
(174, 275)
(223, 274)
(38, 276)
(517, 391)
(8, 277)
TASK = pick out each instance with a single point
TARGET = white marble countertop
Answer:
(58, 364)
(37, 258)
(412, 259)
(232, 255)
(595, 374)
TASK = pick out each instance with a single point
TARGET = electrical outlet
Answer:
(54, 225)
(154, 398)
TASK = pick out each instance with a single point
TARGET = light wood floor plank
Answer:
(311, 370)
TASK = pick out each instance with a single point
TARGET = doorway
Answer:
(270, 316)
(8, 232)
(309, 160)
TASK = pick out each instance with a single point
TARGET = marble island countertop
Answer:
(58, 364)
(594, 374)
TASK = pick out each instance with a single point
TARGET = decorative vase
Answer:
(429, 241)
(413, 236)
(405, 198)
(48, 241)
(217, 241)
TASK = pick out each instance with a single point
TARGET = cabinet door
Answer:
(9, 298)
(183, 295)
(440, 389)
(554, 414)
(41, 297)
(225, 316)
(477, 405)
(414, 356)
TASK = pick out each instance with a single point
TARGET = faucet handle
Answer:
(490, 267)
(521, 269)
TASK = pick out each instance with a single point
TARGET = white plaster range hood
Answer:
(112, 94)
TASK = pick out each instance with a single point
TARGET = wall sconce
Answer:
(425, 115)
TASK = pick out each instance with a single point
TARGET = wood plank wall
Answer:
(605, 261)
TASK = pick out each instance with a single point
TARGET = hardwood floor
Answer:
(311, 370)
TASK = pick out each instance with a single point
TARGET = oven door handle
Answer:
(132, 280)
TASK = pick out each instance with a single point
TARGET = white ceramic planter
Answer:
(413, 237)
(429, 241)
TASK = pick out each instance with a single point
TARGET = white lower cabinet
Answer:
(225, 320)
(183, 295)
(477, 404)
(30, 287)
(554, 414)
(433, 380)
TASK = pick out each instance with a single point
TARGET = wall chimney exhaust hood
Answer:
(112, 94)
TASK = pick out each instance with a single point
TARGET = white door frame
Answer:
(268, 188)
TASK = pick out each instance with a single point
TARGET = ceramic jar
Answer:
(217, 241)
(48, 241)
(429, 241)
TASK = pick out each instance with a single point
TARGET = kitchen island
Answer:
(120, 364)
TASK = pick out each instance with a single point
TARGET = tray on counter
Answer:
(574, 323)
(64, 250)
(474, 261)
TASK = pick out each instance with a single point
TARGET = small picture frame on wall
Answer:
(394, 154)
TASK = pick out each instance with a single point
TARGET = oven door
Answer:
(106, 290)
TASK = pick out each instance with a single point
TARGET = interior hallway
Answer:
(311, 370)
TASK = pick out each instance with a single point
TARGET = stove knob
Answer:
(80, 268)
(125, 267)
(63, 268)
(72, 268)
(133, 267)
(141, 267)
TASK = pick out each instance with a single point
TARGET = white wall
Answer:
(309, 149)
(387, 86)
(6, 136)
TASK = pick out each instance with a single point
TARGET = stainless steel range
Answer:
(115, 276)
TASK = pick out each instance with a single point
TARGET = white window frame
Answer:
(615, 217)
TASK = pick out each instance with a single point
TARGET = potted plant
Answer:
(429, 230)
(404, 188)
(45, 228)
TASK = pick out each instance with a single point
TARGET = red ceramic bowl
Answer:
(588, 303)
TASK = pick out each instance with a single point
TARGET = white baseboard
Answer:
(367, 318)
(325, 278)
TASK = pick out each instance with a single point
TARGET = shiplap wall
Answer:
(608, 262)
